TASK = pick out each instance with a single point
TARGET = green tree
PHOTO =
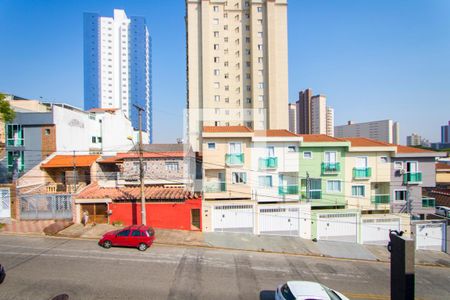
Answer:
(7, 114)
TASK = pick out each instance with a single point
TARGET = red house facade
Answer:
(166, 207)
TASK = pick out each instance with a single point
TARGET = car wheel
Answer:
(142, 247)
(107, 244)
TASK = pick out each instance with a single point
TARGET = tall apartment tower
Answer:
(292, 108)
(385, 130)
(117, 65)
(313, 114)
(237, 64)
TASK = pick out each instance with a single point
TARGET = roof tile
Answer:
(62, 161)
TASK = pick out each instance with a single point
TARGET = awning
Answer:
(66, 161)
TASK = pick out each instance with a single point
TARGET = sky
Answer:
(373, 60)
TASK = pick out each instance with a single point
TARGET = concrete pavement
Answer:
(42, 267)
(264, 243)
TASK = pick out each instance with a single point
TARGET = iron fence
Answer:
(46, 207)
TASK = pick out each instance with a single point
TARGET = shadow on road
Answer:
(267, 295)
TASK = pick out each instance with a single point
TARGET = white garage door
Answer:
(233, 218)
(376, 231)
(430, 236)
(337, 227)
(279, 221)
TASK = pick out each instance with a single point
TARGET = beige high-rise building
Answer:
(237, 64)
(292, 117)
(330, 121)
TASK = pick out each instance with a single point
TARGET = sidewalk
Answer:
(250, 242)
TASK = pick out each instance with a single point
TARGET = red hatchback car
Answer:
(139, 236)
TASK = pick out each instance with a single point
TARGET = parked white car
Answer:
(443, 211)
(306, 290)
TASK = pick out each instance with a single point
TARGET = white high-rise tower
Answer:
(117, 65)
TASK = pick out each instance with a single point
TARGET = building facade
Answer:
(117, 65)
(313, 114)
(414, 140)
(292, 107)
(33, 136)
(237, 65)
(385, 130)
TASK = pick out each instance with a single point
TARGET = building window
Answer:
(172, 166)
(217, 98)
(333, 186)
(216, 34)
(14, 135)
(261, 85)
(307, 155)
(216, 46)
(227, 100)
(400, 195)
(211, 146)
(259, 8)
(384, 159)
(216, 85)
(94, 139)
(215, 21)
(99, 139)
(265, 181)
(358, 190)
(249, 100)
(215, 8)
(216, 59)
(398, 165)
(239, 177)
(216, 72)
(292, 149)
(260, 97)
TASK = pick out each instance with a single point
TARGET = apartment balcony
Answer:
(16, 142)
(381, 199)
(331, 168)
(234, 159)
(428, 202)
(288, 190)
(215, 187)
(362, 173)
(268, 163)
(412, 178)
(312, 195)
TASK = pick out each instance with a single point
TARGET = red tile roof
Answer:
(62, 161)
(319, 138)
(405, 149)
(275, 133)
(175, 154)
(442, 166)
(366, 142)
(109, 160)
(94, 191)
(110, 110)
(226, 129)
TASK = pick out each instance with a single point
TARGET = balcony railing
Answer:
(428, 202)
(381, 199)
(362, 173)
(268, 163)
(215, 186)
(331, 168)
(412, 177)
(234, 159)
(313, 195)
(16, 142)
(288, 190)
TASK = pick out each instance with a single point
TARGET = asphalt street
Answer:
(42, 267)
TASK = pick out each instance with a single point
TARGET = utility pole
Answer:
(141, 167)
(308, 187)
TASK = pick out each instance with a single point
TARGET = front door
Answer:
(195, 217)
(98, 212)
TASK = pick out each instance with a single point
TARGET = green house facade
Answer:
(323, 163)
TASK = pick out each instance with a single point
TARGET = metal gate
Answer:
(431, 236)
(341, 227)
(233, 218)
(5, 203)
(376, 231)
(46, 207)
(279, 221)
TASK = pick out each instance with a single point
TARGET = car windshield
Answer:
(286, 292)
(332, 294)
